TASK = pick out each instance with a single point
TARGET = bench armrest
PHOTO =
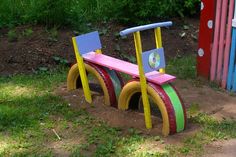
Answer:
(145, 27)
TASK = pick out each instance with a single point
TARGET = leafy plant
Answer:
(53, 34)
(28, 32)
(12, 35)
(76, 13)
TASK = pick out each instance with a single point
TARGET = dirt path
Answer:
(218, 104)
(222, 149)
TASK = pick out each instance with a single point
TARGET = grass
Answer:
(27, 102)
(210, 130)
(29, 110)
(183, 68)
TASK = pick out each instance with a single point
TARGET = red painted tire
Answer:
(74, 81)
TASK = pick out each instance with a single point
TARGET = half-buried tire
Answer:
(103, 77)
(164, 97)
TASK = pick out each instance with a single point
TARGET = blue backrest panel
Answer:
(153, 60)
(88, 42)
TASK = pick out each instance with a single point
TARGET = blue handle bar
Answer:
(145, 27)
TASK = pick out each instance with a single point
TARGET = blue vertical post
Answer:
(231, 81)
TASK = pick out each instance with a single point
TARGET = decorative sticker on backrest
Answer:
(153, 60)
(88, 42)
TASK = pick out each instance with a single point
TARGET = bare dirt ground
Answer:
(222, 149)
(217, 104)
(28, 53)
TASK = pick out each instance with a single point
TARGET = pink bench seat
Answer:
(126, 67)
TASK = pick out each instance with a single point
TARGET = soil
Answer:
(222, 149)
(221, 108)
(26, 54)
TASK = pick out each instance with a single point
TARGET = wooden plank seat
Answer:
(126, 67)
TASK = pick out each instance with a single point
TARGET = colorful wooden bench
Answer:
(149, 77)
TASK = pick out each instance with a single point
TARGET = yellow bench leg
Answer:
(146, 105)
(82, 72)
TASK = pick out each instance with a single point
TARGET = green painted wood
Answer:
(115, 81)
(179, 112)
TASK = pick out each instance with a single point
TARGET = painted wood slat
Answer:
(145, 27)
(205, 38)
(155, 63)
(228, 43)
(234, 79)
(216, 41)
(231, 62)
(126, 67)
(232, 53)
(234, 70)
(88, 42)
(221, 40)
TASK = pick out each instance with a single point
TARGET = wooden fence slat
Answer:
(228, 43)
(231, 62)
(221, 40)
(216, 41)
(232, 55)
(205, 38)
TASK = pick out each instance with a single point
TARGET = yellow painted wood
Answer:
(146, 105)
(99, 51)
(82, 71)
(158, 40)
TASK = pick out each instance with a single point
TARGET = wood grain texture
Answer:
(221, 40)
(205, 38)
(227, 45)
(126, 67)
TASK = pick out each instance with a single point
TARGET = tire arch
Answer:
(134, 87)
(167, 100)
(73, 81)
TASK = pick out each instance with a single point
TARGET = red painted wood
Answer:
(205, 38)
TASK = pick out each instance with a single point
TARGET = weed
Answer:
(12, 35)
(28, 32)
(53, 34)
(60, 60)
(214, 85)
(131, 58)
(193, 109)
(43, 69)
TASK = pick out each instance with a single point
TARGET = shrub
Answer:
(78, 12)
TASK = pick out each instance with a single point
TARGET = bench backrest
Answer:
(153, 60)
(88, 42)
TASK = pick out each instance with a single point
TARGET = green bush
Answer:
(132, 11)
(76, 13)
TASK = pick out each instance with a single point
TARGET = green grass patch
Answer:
(210, 130)
(27, 102)
(183, 68)
(29, 110)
